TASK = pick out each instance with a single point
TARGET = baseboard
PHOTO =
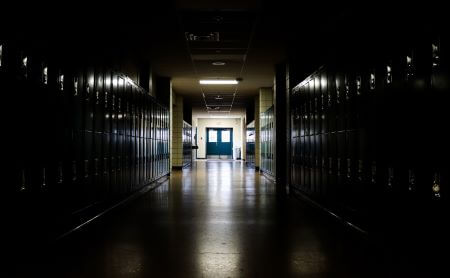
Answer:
(151, 186)
(298, 193)
(268, 176)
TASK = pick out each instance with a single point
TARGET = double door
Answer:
(219, 142)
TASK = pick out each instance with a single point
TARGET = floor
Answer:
(218, 219)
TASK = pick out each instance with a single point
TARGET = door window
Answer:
(212, 136)
(226, 136)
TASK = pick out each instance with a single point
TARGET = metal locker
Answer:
(147, 160)
(302, 163)
(324, 163)
(324, 108)
(109, 89)
(307, 165)
(114, 113)
(127, 105)
(312, 108)
(109, 163)
(89, 100)
(88, 167)
(142, 161)
(141, 115)
(118, 164)
(122, 106)
(317, 104)
(126, 154)
(97, 161)
(99, 100)
(340, 163)
(350, 110)
(340, 102)
(361, 101)
(77, 111)
(332, 104)
(134, 112)
(318, 164)
(138, 161)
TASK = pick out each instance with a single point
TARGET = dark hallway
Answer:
(229, 138)
(220, 219)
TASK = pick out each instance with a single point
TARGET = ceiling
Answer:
(234, 33)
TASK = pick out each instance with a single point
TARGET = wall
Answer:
(257, 134)
(265, 99)
(203, 123)
(177, 131)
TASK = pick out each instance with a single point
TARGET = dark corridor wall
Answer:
(81, 137)
(370, 137)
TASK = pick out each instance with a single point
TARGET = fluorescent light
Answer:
(218, 82)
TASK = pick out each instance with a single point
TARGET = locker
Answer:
(97, 160)
(77, 102)
(88, 168)
(317, 104)
(340, 102)
(324, 107)
(340, 163)
(89, 100)
(324, 164)
(302, 161)
(332, 104)
(318, 164)
(99, 105)
(118, 180)
(350, 99)
(312, 108)
(108, 91)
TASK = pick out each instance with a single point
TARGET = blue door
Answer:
(219, 141)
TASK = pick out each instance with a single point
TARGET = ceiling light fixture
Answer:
(218, 63)
(218, 82)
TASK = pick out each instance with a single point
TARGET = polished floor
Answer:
(218, 219)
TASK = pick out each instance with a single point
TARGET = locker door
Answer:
(89, 100)
(128, 157)
(302, 165)
(349, 101)
(332, 165)
(119, 165)
(332, 105)
(317, 104)
(351, 166)
(318, 164)
(114, 164)
(307, 165)
(126, 148)
(341, 167)
(110, 88)
(98, 182)
(88, 168)
(99, 102)
(340, 101)
(324, 102)
(324, 156)
(106, 160)
(312, 108)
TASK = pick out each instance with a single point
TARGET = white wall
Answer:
(203, 123)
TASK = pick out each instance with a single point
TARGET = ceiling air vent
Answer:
(202, 37)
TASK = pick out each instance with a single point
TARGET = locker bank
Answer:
(229, 138)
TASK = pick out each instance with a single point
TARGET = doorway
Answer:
(219, 143)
